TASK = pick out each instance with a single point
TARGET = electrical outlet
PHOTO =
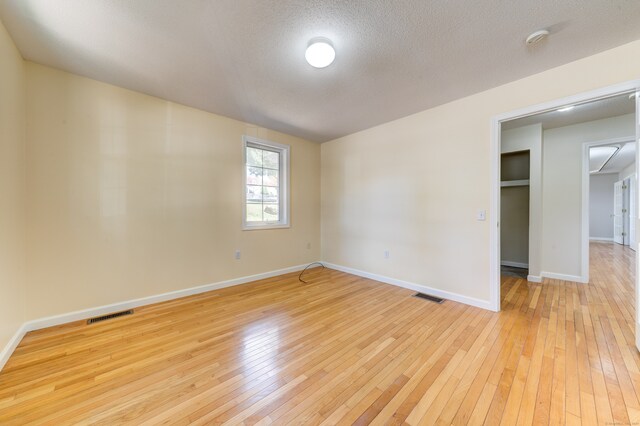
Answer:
(237, 256)
(386, 254)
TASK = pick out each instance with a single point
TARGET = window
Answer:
(266, 184)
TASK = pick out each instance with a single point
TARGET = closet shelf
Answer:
(522, 182)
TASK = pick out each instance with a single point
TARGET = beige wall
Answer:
(414, 185)
(131, 196)
(562, 190)
(12, 189)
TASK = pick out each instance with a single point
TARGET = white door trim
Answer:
(494, 208)
(633, 209)
(637, 219)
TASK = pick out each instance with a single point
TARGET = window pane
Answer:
(271, 213)
(254, 176)
(254, 212)
(270, 177)
(254, 194)
(271, 159)
(254, 156)
(266, 179)
(270, 194)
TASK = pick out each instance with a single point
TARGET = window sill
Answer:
(260, 227)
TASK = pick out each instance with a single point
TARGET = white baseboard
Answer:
(51, 321)
(514, 264)
(534, 278)
(11, 346)
(129, 304)
(554, 276)
(603, 239)
(484, 304)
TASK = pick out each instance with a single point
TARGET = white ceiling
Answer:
(623, 158)
(245, 58)
(596, 110)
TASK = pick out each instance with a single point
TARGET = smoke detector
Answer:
(537, 37)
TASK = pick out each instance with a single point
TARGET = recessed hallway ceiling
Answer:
(589, 111)
(245, 58)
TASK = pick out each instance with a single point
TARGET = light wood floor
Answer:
(343, 350)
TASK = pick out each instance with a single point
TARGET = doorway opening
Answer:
(609, 170)
(559, 245)
(515, 173)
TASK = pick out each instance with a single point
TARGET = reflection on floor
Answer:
(342, 350)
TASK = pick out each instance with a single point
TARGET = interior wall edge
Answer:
(11, 345)
(13, 227)
(455, 297)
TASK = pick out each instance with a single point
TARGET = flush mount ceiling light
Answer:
(537, 37)
(320, 52)
(565, 109)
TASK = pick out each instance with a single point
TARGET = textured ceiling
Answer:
(596, 110)
(245, 58)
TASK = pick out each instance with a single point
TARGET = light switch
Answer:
(482, 215)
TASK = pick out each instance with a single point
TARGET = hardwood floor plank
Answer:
(344, 350)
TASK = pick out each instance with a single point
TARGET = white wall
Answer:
(562, 190)
(12, 189)
(414, 185)
(601, 206)
(530, 138)
(627, 171)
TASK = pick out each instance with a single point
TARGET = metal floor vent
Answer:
(109, 316)
(428, 297)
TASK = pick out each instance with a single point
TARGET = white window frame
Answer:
(250, 141)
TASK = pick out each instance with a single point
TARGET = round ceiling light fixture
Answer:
(320, 52)
(537, 37)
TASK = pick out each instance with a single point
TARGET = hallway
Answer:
(579, 358)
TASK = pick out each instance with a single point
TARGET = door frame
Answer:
(494, 208)
(626, 214)
(633, 208)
